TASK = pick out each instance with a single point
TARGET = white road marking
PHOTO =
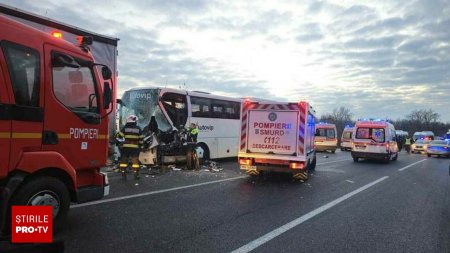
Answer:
(350, 181)
(334, 161)
(271, 235)
(412, 164)
(155, 192)
(331, 170)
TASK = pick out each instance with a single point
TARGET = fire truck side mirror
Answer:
(106, 73)
(107, 95)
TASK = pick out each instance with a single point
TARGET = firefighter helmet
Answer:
(132, 119)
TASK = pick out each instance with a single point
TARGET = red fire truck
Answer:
(55, 102)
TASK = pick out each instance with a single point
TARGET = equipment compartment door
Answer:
(273, 132)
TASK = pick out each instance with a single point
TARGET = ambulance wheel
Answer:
(395, 157)
(312, 165)
(301, 176)
(355, 159)
(45, 191)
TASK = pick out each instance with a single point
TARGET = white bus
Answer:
(217, 117)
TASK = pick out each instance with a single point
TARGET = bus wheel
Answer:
(301, 176)
(355, 159)
(206, 155)
(45, 191)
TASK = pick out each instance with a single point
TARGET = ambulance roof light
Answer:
(57, 34)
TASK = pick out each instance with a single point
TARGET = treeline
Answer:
(416, 121)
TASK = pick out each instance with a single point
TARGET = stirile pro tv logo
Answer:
(31, 224)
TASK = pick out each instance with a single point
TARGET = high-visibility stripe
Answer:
(63, 136)
(26, 135)
(135, 166)
(122, 165)
(5, 135)
(130, 146)
(132, 137)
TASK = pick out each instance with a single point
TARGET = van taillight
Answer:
(296, 165)
(245, 161)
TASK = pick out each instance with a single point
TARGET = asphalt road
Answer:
(403, 206)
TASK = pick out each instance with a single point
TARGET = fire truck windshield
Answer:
(143, 104)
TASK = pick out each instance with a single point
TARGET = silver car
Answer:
(439, 148)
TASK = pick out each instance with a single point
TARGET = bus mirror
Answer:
(107, 95)
(106, 73)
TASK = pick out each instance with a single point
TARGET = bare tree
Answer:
(340, 117)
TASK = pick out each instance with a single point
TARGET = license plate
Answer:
(360, 147)
(248, 167)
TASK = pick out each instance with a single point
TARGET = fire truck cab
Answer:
(54, 103)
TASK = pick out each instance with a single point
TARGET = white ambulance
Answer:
(277, 137)
(326, 137)
(374, 139)
(346, 138)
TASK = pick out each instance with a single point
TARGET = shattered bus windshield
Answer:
(143, 104)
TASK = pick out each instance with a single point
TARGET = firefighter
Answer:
(193, 133)
(131, 146)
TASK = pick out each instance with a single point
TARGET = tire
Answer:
(333, 151)
(429, 155)
(355, 159)
(312, 165)
(342, 149)
(45, 191)
(395, 158)
(206, 154)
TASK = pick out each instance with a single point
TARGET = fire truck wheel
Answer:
(45, 191)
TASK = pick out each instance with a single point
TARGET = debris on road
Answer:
(173, 167)
(211, 166)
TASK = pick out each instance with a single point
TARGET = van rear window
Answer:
(376, 134)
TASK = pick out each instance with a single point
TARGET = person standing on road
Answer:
(131, 147)
(408, 144)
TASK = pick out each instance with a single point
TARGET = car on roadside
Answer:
(419, 146)
(439, 148)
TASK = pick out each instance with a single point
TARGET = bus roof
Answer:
(186, 92)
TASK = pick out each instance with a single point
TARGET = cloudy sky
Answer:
(378, 58)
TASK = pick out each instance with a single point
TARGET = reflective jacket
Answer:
(132, 135)
(408, 141)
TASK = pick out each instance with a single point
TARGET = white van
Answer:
(374, 139)
(326, 137)
(346, 138)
